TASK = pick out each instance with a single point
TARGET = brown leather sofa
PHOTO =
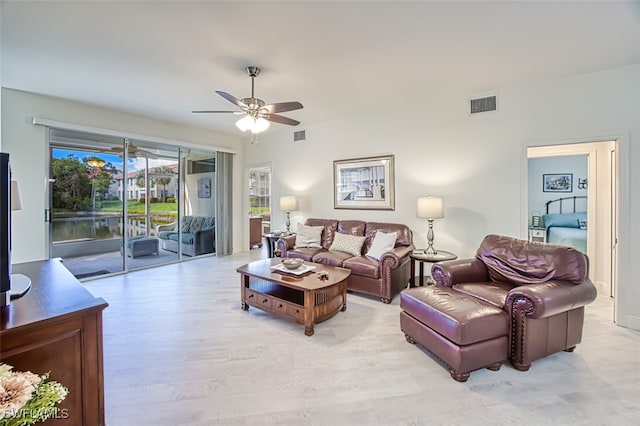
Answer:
(383, 278)
(542, 287)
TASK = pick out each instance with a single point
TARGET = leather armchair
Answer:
(543, 287)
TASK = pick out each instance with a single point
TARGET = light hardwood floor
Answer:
(179, 350)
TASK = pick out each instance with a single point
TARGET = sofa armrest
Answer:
(168, 227)
(285, 243)
(452, 272)
(393, 258)
(550, 298)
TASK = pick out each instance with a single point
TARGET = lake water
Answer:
(98, 227)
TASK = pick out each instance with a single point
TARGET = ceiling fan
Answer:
(134, 151)
(257, 112)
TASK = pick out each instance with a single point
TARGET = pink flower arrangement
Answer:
(26, 398)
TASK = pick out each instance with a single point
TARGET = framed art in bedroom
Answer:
(364, 183)
(557, 182)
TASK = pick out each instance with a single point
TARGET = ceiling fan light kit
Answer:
(256, 125)
(257, 113)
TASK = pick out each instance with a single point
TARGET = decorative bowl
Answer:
(292, 263)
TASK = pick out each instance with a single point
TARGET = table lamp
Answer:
(288, 204)
(430, 208)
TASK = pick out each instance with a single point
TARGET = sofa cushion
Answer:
(304, 253)
(347, 243)
(165, 235)
(186, 223)
(404, 236)
(382, 243)
(352, 227)
(308, 236)
(363, 266)
(330, 227)
(332, 258)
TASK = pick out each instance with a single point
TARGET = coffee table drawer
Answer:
(264, 301)
(295, 311)
(251, 297)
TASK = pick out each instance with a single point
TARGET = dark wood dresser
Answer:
(57, 327)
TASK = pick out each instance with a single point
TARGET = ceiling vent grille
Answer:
(484, 104)
(300, 135)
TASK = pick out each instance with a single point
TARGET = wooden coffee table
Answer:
(305, 299)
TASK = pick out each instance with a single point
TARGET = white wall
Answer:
(476, 163)
(27, 144)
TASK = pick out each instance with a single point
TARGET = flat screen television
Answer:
(5, 229)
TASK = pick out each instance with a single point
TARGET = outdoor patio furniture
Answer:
(142, 246)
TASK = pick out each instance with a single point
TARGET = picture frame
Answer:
(366, 183)
(204, 188)
(557, 182)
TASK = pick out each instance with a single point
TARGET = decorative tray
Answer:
(300, 271)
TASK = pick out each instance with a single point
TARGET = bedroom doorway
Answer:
(598, 183)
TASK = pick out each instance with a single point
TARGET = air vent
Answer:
(300, 135)
(484, 104)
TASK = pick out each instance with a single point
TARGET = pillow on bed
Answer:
(565, 220)
(582, 224)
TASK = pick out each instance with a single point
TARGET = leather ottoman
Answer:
(462, 331)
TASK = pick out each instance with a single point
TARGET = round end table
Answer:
(420, 257)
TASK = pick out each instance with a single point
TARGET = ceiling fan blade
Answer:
(231, 99)
(217, 112)
(280, 119)
(283, 107)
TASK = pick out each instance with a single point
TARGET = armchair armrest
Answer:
(285, 243)
(168, 227)
(550, 298)
(452, 272)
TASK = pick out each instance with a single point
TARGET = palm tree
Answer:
(163, 176)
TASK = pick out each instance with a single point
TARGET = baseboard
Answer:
(633, 322)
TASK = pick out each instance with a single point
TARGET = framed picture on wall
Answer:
(204, 188)
(557, 182)
(364, 183)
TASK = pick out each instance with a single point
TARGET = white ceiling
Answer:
(165, 58)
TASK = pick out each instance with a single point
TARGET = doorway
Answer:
(259, 204)
(600, 187)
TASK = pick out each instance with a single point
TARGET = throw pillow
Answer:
(308, 236)
(582, 224)
(351, 244)
(382, 243)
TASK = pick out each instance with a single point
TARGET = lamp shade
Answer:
(430, 207)
(288, 203)
(16, 200)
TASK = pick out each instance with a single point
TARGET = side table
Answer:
(271, 240)
(538, 234)
(271, 243)
(421, 257)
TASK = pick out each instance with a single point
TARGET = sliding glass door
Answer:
(123, 204)
(86, 213)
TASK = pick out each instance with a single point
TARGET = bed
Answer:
(566, 222)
